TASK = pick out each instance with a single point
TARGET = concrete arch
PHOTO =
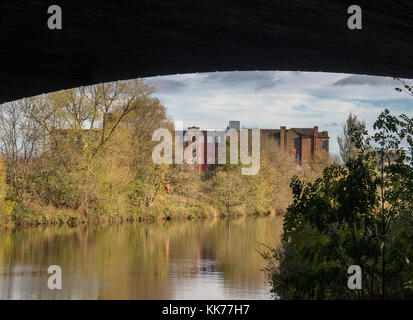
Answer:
(114, 40)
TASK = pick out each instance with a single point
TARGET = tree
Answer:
(20, 143)
(3, 186)
(80, 148)
(146, 185)
(228, 189)
(347, 148)
(6, 206)
(79, 123)
(357, 214)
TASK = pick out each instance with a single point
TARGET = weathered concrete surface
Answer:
(112, 40)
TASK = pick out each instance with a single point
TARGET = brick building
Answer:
(205, 150)
(301, 143)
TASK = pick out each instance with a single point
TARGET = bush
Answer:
(352, 215)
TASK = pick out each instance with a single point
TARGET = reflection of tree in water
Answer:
(98, 263)
(139, 261)
(235, 248)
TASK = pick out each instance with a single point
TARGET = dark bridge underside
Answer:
(113, 40)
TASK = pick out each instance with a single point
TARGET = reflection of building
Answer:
(301, 143)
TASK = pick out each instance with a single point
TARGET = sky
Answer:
(270, 99)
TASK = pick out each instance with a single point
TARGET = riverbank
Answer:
(73, 170)
(165, 208)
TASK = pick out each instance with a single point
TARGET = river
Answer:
(209, 259)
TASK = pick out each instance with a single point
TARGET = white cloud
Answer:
(269, 99)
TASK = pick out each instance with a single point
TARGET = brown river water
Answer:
(186, 260)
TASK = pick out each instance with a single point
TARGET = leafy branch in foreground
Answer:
(359, 213)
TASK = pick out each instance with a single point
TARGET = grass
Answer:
(166, 207)
(35, 215)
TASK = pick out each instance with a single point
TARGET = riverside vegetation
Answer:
(359, 213)
(84, 154)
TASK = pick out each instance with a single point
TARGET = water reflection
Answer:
(189, 260)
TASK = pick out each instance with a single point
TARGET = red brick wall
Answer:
(290, 141)
(306, 153)
(283, 138)
(320, 145)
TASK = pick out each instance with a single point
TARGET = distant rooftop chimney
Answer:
(234, 125)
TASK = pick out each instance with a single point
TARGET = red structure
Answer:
(205, 150)
(301, 143)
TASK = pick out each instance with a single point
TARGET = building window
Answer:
(296, 144)
(193, 138)
(324, 144)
